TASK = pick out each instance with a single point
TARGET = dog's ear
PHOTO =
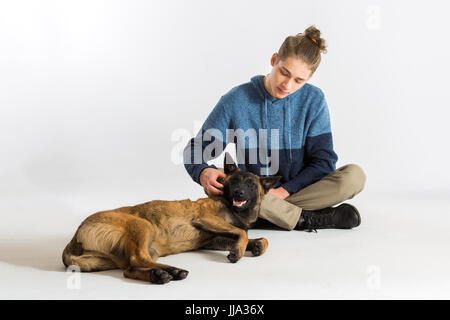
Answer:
(228, 164)
(268, 182)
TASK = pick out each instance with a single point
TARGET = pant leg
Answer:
(338, 186)
(280, 212)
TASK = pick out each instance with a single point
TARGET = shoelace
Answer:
(309, 225)
(320, 218)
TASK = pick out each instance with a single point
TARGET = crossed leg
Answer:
(340, 185)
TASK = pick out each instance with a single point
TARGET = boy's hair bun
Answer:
(314, 35)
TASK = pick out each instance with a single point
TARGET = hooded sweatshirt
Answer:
(293, 135)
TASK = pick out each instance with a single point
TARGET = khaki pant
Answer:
(338, 186)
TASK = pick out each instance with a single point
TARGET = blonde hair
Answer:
(307, 46)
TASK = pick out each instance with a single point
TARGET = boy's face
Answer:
(287, 76)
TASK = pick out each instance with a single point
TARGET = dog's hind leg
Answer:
(141, 265)
(143, 268)
(157, 273)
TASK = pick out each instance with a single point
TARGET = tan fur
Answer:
(132, 238)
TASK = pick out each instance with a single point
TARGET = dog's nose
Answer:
(238, 193)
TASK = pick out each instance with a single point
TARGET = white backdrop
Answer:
(97, 97)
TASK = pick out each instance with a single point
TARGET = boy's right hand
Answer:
(208, 180)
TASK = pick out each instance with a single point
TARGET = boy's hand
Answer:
(208, 180)
(279, 192)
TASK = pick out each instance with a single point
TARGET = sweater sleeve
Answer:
(209, 142)
(320, 158)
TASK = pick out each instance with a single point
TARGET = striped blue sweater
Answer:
(302, 151)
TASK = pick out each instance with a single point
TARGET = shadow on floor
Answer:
(43, 254)
(46, 254)
(40, 253)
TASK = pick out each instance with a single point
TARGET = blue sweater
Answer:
(302, 152)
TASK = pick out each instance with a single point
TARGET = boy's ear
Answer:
(228, 164)
(274, 59)
(268, 182)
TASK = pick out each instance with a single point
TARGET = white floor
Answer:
(401, 250)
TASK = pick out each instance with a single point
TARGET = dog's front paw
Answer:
(236, 253)
(233, 257)
(260, 246)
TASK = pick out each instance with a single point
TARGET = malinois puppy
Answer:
(132, 238)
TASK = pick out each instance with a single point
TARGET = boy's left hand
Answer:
(279, 192)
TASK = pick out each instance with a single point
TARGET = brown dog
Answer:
(132, 238)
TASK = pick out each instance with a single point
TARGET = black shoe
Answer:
(344, 216)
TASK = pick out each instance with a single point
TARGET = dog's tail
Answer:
(84, 260)
(72, 249)
(75, 255)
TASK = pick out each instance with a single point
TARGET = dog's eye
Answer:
(250, 184)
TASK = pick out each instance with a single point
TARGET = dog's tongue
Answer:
(238, 203)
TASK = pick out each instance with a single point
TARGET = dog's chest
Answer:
(228, 216)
